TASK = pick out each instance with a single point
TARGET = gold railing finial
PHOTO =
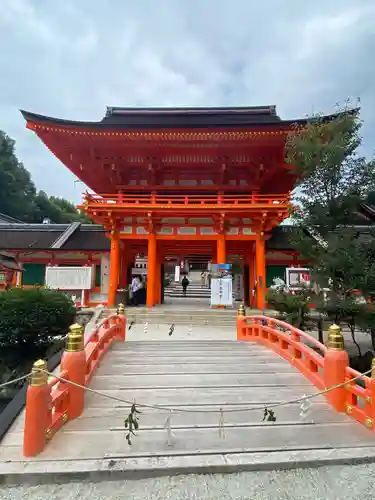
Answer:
(241, 310)
(75, 340)
(38, 373)
(335, 338)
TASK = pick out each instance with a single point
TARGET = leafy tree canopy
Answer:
(333, 180)
(19, 197)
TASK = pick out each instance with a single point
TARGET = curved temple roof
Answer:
(149, 118)
(178, 141)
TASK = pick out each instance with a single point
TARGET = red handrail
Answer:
(183, 200)
(360, 401)
(326, 369)
(50, 404)
(285, 339)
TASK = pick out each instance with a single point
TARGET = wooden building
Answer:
(175, 182)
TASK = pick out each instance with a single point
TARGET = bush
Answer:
(294, 307)
(30, 321)
(348, 310)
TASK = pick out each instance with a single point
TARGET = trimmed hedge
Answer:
(30, 321)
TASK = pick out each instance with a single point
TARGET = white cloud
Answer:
(70, 59)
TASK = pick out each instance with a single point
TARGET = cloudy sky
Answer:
(72, 58)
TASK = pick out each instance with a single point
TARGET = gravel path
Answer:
(326, 483)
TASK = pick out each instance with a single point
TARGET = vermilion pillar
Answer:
(221, 254)
(114, 269)
(152, 270)
(260, 259)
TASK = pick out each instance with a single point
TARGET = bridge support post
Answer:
(336, 360)
(74, 363)
(114, 268)
(38, 415)
(240, 322)
(121, 322)
(260, 260)
(151, 270)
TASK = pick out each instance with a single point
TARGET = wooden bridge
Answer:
(202, 399)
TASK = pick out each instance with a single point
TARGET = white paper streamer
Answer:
(168, 428)
(221, 424)
(305, 408)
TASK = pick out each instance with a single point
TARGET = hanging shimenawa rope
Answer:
(132, 423)
(15, 380)
(184, 410)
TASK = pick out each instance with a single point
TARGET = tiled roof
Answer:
(280, 238)
(88, 237)
(92, 237)
(5, 219)
(33, 236)
(152, 118)
(42, 236)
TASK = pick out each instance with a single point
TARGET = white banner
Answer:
(221, 292)
(69, 278)
(177, 274)
(104, 274)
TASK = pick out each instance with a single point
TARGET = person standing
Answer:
(135, 288)
(206, 279)
(141, 292)
(185, 283)
(203, 279)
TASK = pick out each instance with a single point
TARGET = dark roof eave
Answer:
(158, 119)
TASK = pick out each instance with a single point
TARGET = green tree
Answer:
(20, 199)
(332, 181)
(31, 321)
(69, 212)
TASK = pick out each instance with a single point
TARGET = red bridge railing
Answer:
(50, 404)
(326, 367)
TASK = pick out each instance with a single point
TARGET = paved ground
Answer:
(326, 483)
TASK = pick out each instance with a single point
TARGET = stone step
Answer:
(189, 345)
(201, 357)
(236, 439)
(190, 293)
(185, 320)
(177, 309)
(182, 350)
(156, 368)
(196, 381)
(246, 396)
(192, 289)
(113, 418)
(181, 320)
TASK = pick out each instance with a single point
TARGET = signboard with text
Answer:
(221, 292)
(297, 277)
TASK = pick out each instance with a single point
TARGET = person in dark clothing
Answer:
(185, 282)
